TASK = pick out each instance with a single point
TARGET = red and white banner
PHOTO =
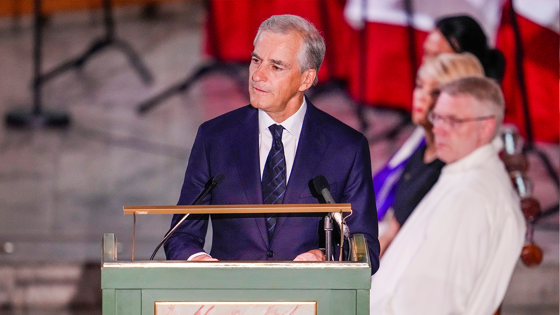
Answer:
(539, 26)
(425, 12)
(388, 54)
(384, 77)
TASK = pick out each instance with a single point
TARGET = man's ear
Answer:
(307, 78)
(487, 129)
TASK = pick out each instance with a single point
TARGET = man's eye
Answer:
(276, 68)
(453, 120)
(255, 60)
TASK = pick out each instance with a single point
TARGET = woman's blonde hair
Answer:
(448, 67)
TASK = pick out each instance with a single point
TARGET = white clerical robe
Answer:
(456, 252)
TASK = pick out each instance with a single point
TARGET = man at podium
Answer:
(269, 151)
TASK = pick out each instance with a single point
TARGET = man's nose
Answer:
(438, 127)
(259, 74)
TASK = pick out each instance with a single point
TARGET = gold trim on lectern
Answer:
(239, 209)
(234, 209)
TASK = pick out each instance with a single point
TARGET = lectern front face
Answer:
(219, 288)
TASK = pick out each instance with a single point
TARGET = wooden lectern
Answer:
(236, 287)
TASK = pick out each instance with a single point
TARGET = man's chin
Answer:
(259, 102)
(445, 157)
(441, 152)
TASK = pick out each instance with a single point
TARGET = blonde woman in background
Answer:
(422, 169)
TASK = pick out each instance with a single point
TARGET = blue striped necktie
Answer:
(274, 176)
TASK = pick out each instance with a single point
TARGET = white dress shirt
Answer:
(290, 137)
(456, 252)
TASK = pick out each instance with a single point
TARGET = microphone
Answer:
(210, 185)
(215, 181)
(322, 186)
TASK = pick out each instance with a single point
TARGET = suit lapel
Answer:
(246, 153)
(311, 148)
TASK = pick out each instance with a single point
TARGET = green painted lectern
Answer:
(235, 287)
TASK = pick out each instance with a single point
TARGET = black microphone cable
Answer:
(215, 181)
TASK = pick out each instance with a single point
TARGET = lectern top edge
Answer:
(240, 209)
(237, 265)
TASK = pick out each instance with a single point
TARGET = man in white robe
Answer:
(457, 251)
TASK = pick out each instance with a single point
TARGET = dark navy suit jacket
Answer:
(229, 144)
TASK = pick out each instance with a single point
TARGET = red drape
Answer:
(541, 66)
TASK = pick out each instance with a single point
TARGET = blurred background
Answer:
(101, 101)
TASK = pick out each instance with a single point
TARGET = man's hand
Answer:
(204, 257)
(312, 255)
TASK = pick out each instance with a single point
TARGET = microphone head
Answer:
(320, 183)
(218, 179)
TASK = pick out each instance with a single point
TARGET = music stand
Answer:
(39, 117)
(109, 39)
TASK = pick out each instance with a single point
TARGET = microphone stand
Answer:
(328, 226)
(321, 186)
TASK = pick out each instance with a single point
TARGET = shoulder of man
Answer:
(487, 190)
(229, 120)
(331, 125)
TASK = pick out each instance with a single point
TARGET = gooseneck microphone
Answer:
(215, 181)
(322, 186)
(210, 185)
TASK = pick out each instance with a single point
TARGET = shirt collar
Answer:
(478, 157)
(293, 124)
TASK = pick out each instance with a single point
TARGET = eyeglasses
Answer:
(453, 122)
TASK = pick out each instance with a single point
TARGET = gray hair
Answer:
(485, 91)
(313, 52)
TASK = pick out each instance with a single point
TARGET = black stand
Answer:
(529, 145)
(360, 106)
(37, 116)
(411, 39)
(98, 45)
(231, 69)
